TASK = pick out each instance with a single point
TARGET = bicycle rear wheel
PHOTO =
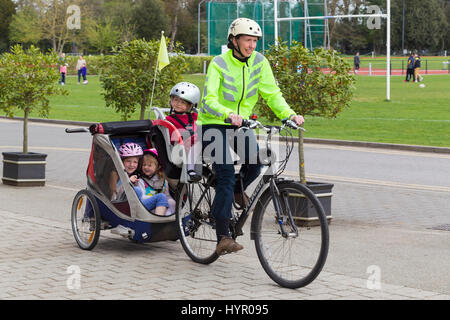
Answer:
(296, 259)
(196, 226)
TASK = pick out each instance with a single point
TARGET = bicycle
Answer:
(291, 255)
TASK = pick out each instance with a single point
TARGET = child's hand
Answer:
(134, 179)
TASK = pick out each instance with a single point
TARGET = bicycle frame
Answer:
(268, 177)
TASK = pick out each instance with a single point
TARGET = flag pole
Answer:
(154, 82)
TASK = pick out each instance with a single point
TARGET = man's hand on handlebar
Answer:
(294, 122)
(236, 119)
(298, 119)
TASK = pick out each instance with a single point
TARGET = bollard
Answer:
(204, 67)
(370, 69)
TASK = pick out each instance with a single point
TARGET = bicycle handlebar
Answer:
(252, 124)
(75, 130)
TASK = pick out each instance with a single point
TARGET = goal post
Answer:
(387, 16)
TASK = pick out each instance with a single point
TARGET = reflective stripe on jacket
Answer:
(233, 86)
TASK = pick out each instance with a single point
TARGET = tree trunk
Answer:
(143, 108)
(301, 158)
(25, 131)
(174, 27)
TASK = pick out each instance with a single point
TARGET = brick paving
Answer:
(37, 254)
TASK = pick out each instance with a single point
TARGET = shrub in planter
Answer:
(27, 79)
(314, 83)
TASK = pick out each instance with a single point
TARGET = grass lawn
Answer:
(419, 116)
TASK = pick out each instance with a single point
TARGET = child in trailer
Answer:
(184, 98)
(152, 188)
(130, 154)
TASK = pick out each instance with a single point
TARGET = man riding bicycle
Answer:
(233, 82)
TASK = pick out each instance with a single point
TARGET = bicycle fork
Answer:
(276, 196)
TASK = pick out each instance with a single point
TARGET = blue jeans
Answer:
(247, 148)
(158, 200)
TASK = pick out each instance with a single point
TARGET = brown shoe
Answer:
(228, 245)
(238, 199)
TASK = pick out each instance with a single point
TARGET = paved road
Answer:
(387, 206)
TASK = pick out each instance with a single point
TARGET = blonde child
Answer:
(152, 188)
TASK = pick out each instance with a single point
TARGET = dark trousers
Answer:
(246, 146)
(63, 77)
(80, 72)
(410, 74)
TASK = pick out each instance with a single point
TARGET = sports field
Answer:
(419, 116)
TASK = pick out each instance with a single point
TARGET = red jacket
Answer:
(186, 124)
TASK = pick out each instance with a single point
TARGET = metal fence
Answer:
(221, 14)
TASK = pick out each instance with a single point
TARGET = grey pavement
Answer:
(391, 230)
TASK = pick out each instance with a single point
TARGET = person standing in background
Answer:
(356, 62)
(62, 68)
(81, 69)
(417, 75)
(410, 68)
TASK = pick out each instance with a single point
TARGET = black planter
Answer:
(21, 169)
(308, 215)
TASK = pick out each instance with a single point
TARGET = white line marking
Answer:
(372, 182)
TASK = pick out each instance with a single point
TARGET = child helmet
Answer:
(130, 149)
(153, 153)
(187, 91)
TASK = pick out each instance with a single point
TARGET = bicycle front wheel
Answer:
(196, 226)
(86, 220)
(293, 258)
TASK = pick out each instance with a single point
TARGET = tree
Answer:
(150, 19)
(25, 27)
(101, 35)
(316, 83)
(121, 14)
(130, 73)
(27, 79)
(426, 25)
(445, 4)
(42, 20)
(7, 10)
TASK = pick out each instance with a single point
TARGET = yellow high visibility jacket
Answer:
(233, 86)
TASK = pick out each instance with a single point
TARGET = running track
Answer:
(397, 72)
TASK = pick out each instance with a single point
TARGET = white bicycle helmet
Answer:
(244, 26)
(187, 91)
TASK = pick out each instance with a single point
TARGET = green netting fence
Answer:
(221, 14)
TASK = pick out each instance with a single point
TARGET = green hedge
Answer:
(195, 63)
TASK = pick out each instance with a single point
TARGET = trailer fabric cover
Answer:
(120, 127)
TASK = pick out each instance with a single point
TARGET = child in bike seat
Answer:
(130, 154)
(152, 188)
(184, 98)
